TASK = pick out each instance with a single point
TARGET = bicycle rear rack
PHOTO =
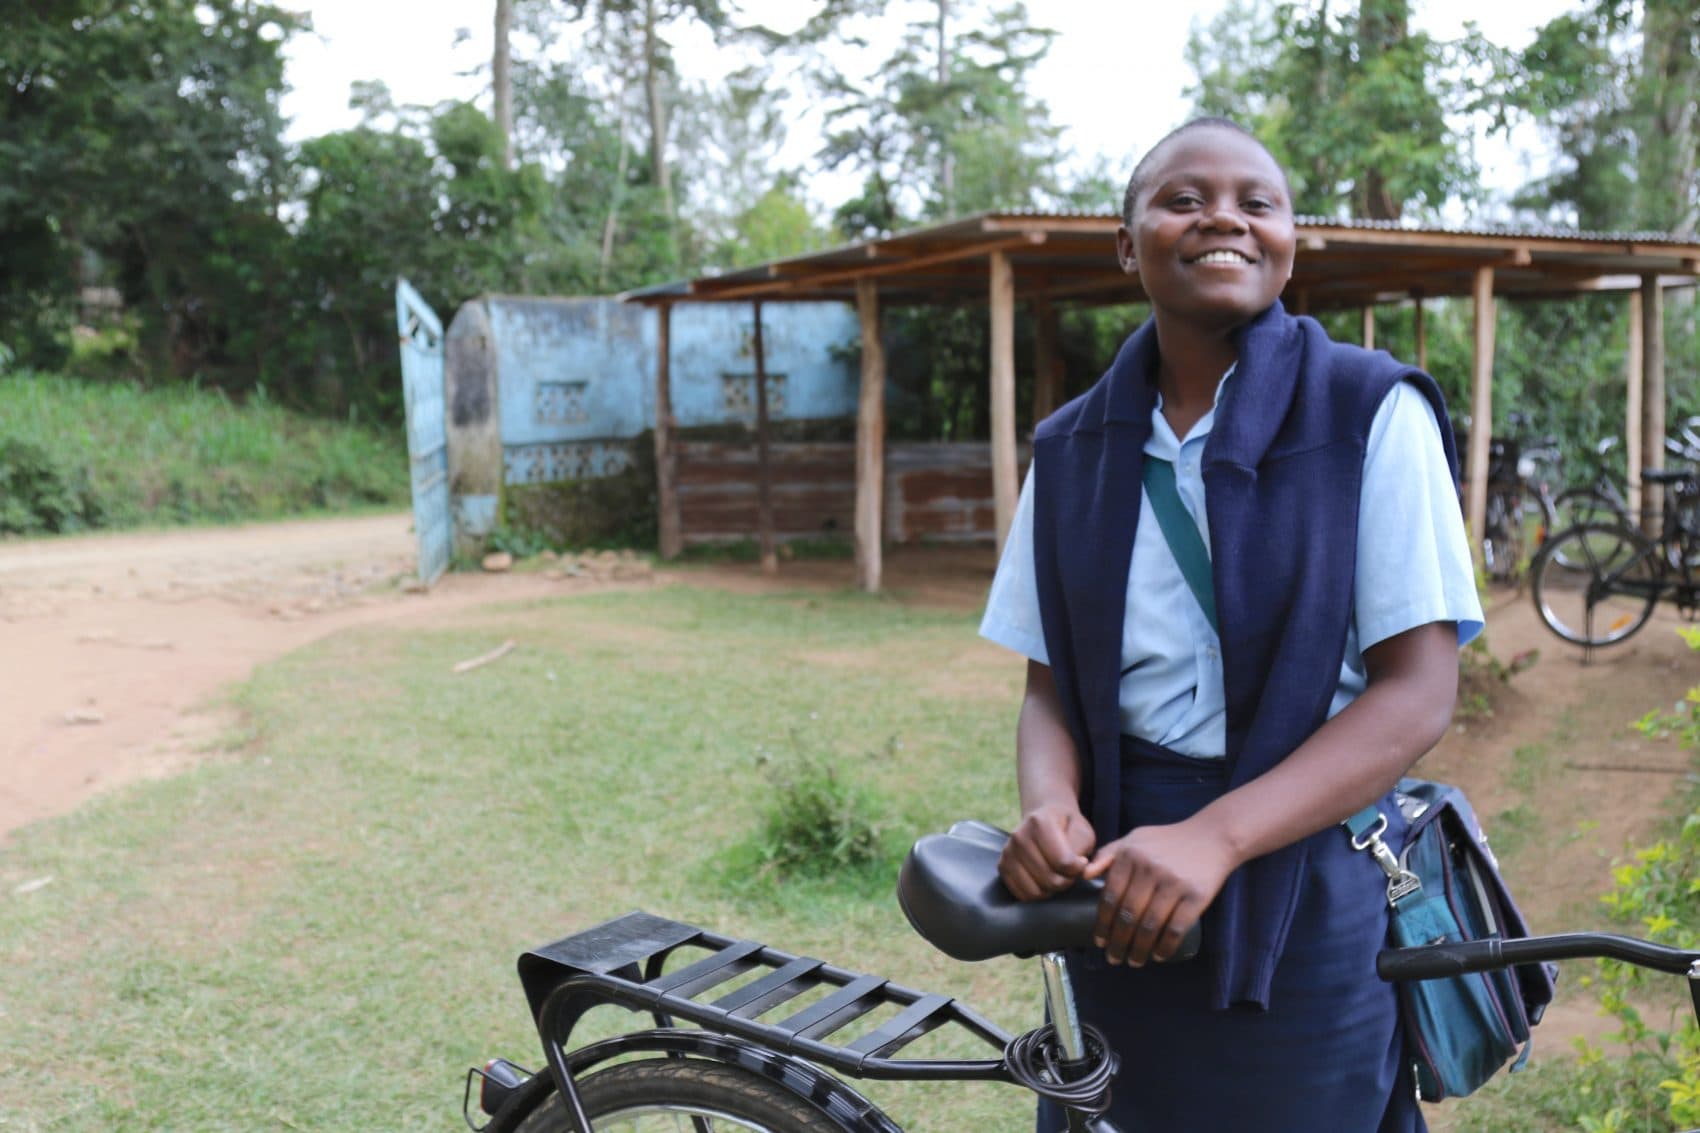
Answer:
(624, 961)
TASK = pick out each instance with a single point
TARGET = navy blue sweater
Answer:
(1282, 469)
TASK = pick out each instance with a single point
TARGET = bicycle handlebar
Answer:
(1437, 961)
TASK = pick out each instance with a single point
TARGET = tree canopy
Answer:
(146, 155)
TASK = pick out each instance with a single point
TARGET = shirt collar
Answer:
(1164, 444)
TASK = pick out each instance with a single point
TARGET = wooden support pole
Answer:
(1368, 318)
(870, 439)
(764, 465)
(1653, 395)
(1047, 361)
(669, 537)
(1481, 412)
(1636, 383)
(1420, 329)
(1006, 484)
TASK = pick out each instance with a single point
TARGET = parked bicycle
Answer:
(1597, 582)
(747, 1037)
(1522, 475)
(1604, 496)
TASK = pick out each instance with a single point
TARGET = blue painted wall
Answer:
(576, 377)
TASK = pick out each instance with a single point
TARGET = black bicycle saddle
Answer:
(950, 890)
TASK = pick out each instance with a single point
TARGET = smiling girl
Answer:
(1197, 747)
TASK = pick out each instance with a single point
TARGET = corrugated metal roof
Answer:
(1069, 256)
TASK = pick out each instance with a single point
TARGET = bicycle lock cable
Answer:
(1034, 1060)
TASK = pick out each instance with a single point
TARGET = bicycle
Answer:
(731, 1069)
(1604, 498)
(1596, 584)
(1520, 477)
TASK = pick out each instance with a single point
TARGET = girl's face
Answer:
(1212, 240)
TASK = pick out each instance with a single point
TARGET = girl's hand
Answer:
(1047, 852)
(1158, 880)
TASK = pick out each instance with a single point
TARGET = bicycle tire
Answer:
(1576, 506)
(1571, 583)
(673, 1094)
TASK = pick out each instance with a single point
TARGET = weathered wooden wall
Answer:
(933, 492)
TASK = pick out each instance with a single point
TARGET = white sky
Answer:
(1114, 77)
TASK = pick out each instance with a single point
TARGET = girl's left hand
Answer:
(1158, 880)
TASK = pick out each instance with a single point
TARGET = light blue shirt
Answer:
(1413, 567)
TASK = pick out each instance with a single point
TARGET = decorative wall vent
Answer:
(738, 396)
(562, 403)
(572, 460)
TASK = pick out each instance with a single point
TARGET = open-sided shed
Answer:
(1049, 259)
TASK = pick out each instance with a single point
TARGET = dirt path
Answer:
(114, 648)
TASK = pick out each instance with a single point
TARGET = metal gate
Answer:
(427, 441)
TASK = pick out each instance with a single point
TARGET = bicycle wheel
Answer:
(1594, 584)
(1502, 536)
(676, 1095)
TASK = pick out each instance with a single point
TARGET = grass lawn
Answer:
(317, 929)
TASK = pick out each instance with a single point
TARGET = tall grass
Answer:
(318, 931)
(180, 454)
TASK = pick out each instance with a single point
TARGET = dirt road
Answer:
(113, 647)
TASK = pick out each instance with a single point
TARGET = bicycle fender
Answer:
(832, 1096)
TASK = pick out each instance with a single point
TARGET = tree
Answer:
(744, 205)
(634, 33)
(143, 139)
(1355, 106)
(1615, 86)
(930, 148)
(501, 78)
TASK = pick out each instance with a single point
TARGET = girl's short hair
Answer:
(1136, 183)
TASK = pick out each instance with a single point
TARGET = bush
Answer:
(815, 823)
(36, 497)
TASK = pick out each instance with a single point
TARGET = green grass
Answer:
(318, 930)
(180, 454)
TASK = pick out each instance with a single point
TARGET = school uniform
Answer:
(1323, 483)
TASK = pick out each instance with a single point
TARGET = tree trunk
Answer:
(657, 109)
(611, 222)
(947, 160)
(501, 77)
(1382, 25)
(1670, 87)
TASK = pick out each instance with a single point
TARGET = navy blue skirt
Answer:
(1326, 1055)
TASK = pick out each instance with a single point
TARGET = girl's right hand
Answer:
(1047, 852)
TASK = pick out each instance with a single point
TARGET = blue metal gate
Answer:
(427, 443)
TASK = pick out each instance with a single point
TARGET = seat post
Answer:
(1059, 1004)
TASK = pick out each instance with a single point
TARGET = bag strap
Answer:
(1365, 829)
(1181, 533)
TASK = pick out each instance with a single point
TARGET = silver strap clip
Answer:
(1401, 882)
